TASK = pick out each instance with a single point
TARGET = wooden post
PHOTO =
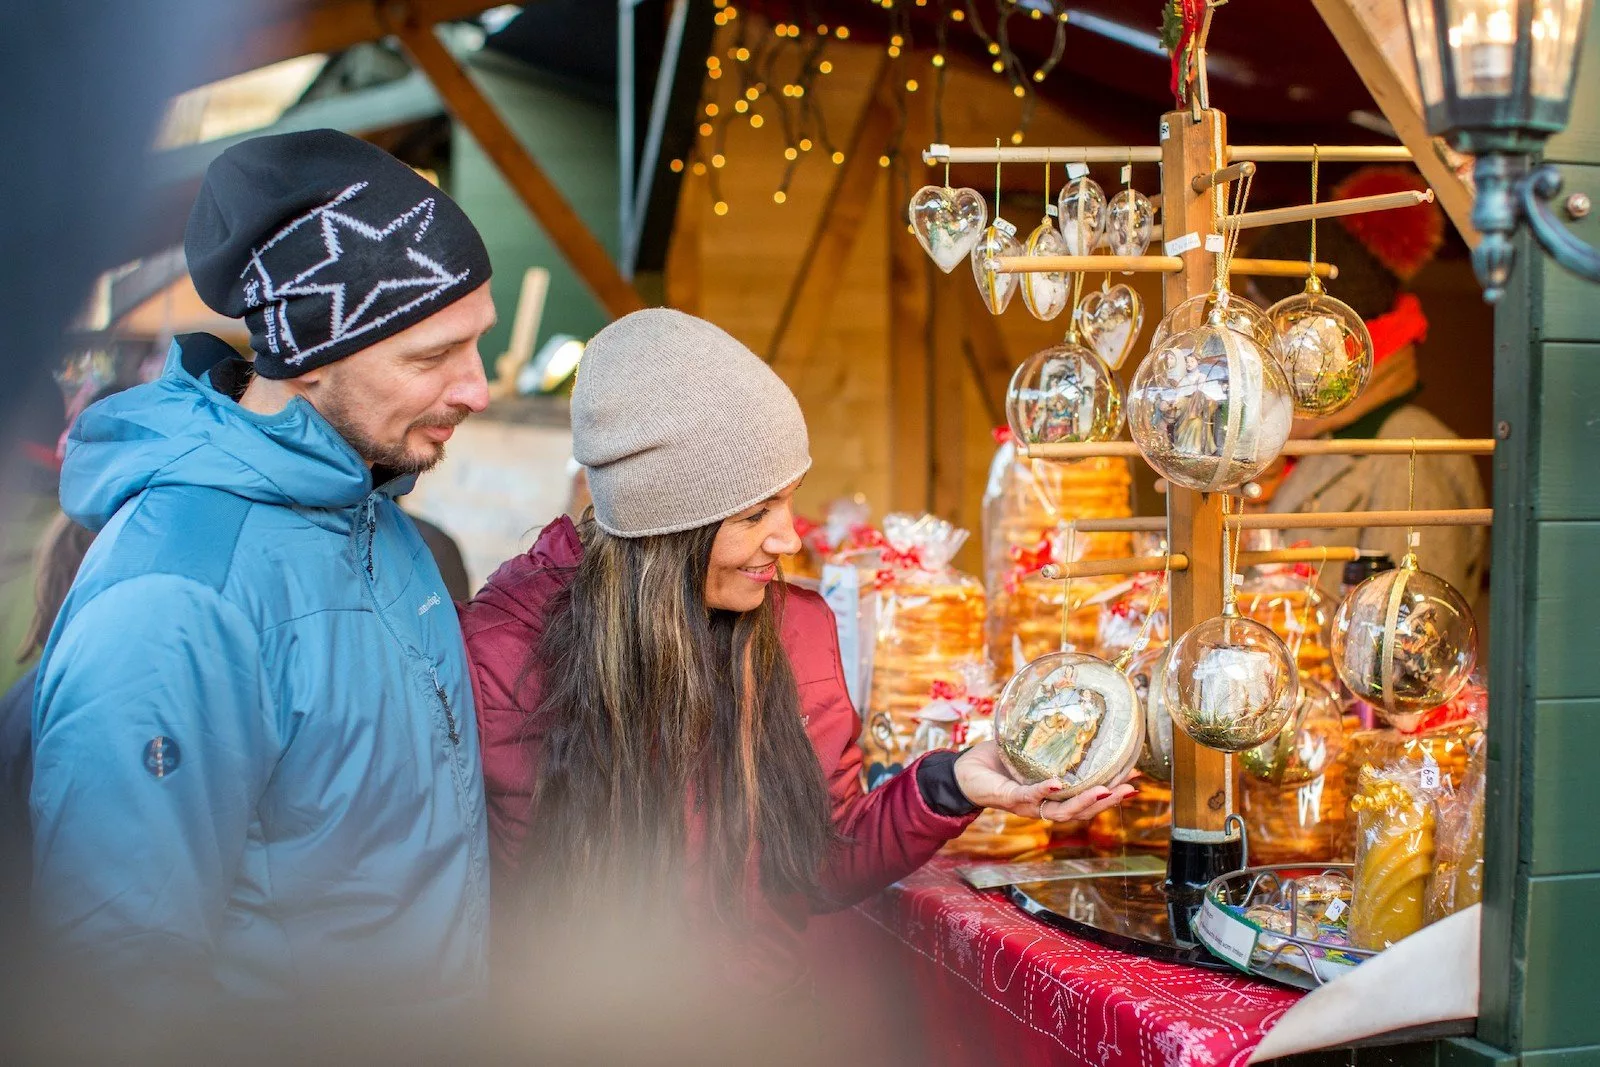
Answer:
(1194, 520)
(582, 250)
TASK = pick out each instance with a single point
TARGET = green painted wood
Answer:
(1566, 1057)
(1569, 479)
(1563, 941)
(575, 141)
(1566, 619)
(1513, 652)
(1569, 301)
(1566, 792)
(1465, 1052)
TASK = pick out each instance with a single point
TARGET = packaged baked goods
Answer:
(929, 620)
(1446, 749)
(1027, 508)
(999, 835)
(1395, 822)
(1143, 821)
(1296, 822)
(1457, 880)
(1131, 611)
(1287, 599)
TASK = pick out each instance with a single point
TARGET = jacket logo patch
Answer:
(161, 756)
(428, 605)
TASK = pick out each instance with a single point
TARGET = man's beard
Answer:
(394, 457)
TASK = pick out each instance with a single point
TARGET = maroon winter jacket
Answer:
(887, 833)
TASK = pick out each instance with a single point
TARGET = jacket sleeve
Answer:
(885, 834)
(497, 647)
(153, 744)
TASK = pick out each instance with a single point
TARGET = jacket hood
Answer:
(180, 430)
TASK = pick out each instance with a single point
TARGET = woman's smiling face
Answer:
(744, 557)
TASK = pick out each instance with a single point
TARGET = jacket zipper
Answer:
(444, 702)
(372, 533)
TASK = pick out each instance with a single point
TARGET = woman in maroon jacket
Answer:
(659, 714)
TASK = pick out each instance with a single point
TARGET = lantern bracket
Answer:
(1509, 192)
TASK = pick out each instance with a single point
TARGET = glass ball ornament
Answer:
(1405, 642)
(1130, 219)
(947, 222)
(1230, 683)
(1046, 293)
(1145, 672)
(1071, 717)
(1082, 209)
(1064, 393)
(1324, 348)
(1209, 408)
(996, 289)
(1304, 748)
(1237, 313)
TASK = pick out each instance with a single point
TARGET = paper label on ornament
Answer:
(1052, 211)
(1179, 245)
(1213, 242)
(1077, 170)
(1336, 908)
(1166, 131)
(939, 151)
(1226, 935)
(841, 588)
(1005, 227)
(1127, 173)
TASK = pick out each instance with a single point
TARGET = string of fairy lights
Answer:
(764, 71)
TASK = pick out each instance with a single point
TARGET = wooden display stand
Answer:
(1198, 168)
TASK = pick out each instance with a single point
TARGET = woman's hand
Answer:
(985, 780)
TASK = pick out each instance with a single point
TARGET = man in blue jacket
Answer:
(256, 766)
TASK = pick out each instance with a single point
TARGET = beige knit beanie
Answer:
(680, 425)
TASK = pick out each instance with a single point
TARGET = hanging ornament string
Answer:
(997, 178)
(1231, 534)
(1231, 229)
(1412, 538)
(1316, 152)
(1071, 554)
(1047, 184)
(1142, 639)
(1077, 295)
(1312, 585)
(947, 172)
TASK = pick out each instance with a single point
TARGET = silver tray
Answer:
(1294, 958)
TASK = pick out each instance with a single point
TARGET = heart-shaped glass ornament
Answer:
(1130, 219)
(997, 289)
(1082, 207)
(1046, 293)
(1109, 321)
(948, 222)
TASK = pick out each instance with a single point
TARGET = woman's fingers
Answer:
(1085, 805)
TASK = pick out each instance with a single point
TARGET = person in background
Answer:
(665, 721)
(1377, 254)
(56, 562)
(256, 773)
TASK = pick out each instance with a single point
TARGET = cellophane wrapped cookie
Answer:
(1457, 880)
(1448, 748)
(929, 621)
(1395, 822)
(1027, 508)
(1298, 821)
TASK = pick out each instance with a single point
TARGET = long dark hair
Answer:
(653, 705)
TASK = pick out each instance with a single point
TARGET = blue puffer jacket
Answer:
(255, 760)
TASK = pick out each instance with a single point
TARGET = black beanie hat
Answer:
(324, 245)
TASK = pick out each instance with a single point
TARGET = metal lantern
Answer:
(1497, 79)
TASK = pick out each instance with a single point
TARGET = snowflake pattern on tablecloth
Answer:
(1104, 1008)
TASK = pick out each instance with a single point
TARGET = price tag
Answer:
(1005, 227)
(1238, 579)
(1077, 170)
(1052, 210)
(1226, 935)
(939, 151)
(1429, 776)
(1213, 242)
(1414, 539)
(1127, 173)
(1336, 908)
(1166, 131)
(1179, 245)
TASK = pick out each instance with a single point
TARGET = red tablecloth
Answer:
(995, 986)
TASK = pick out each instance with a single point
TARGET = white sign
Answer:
(1077, 170)
(1179, 245)
(1226, 935)
(1213, 242)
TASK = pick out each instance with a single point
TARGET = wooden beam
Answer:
(581, 249)
(805, 310)
(1375, 39)
(272, 33)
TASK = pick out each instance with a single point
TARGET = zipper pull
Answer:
(372, 532)
(444, 702)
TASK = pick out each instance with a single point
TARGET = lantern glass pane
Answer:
(1557, 26)
(1483, 40)
(1425, 40)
